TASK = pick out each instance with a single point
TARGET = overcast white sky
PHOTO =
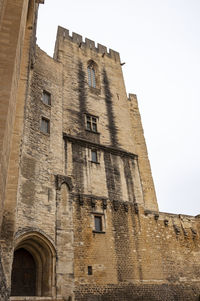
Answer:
(160, 42)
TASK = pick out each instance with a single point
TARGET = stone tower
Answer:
(86, 224)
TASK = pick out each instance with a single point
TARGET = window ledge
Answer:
(99, 232)
(46, 134)
(46, 105)
(96, 91)
(92, 132)
(96, 162)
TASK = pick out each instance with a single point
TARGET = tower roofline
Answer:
(87, 43)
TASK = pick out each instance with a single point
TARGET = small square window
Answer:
(98, 223)
(91, 123)
(46, 98)
(45, 125)
(94, 156)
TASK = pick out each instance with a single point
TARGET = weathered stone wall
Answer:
(42, 154)
(142, 255)
(138, 292)
(42, 208)
(2, 7)
(17, 25)
(13, 23)
(148, 188)
(4, 291)
(139, 253)
(119, 120)
(107, 101)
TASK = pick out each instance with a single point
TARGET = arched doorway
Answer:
(33, 270)
(23, 278)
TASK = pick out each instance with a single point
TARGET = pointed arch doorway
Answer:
(23, 274)
(33, 270)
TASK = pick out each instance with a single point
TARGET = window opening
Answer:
(89, 270)
(46, 98)
(23, 280)
(94, 156)
(91, 76)
(94, 124)
(91, 123)
(45, 125)
(98, 223)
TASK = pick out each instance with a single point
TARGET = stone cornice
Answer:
(115, 151)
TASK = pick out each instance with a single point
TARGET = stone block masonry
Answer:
(89, 190)
(78, 40)
(83, 207)
(17, 27)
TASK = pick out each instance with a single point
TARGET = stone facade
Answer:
(84, 199)
(17, 39)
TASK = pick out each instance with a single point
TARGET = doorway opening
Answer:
(23, 277)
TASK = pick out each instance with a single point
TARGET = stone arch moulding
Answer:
(93, 65)
(60, 179)
(44, 255)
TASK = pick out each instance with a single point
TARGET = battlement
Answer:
(77, 39)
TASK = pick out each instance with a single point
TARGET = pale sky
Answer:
(160, 42)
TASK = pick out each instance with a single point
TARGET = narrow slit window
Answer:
(91, 76)
(89, 270)
(98, 223)
(45, 125)
(94, 156)
(89, 125)
(94, 124)
(46, 98)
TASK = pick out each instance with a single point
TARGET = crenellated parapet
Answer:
(87, 44)
(181, 225)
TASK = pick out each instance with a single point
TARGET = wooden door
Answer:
(23, 280)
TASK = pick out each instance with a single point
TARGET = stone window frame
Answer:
(93, 76)
(98, 223)
(103, 221)
(90, 122)
(94, 156)
(46, 95)
(47, 120)
(90, 270)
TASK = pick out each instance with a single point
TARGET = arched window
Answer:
(91, 74)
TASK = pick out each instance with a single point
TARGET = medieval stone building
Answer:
(79, 215)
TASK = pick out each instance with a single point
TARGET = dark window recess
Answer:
(46, 98)
(89, 270)
(94, 156)
(91, 76)
(98, 223)
(91, 123)
(45, 125)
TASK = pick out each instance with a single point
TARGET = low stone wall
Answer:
(139, 292)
